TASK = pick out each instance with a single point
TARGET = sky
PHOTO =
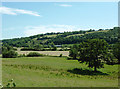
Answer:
(23, 19)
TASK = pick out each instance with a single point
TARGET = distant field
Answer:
(97, 31)
(75, 35)
(53, 53)
(56, 72)
(87, 33)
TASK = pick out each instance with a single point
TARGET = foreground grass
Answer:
(56, 72)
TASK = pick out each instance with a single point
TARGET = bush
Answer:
(9, 54)
(34, 54)
(60, 55)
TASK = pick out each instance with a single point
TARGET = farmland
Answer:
(56, 72)
(52, 53)
(59, 44)
(52, 69)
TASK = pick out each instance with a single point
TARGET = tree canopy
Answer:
(94, 53)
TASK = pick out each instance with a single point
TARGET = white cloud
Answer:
(13, 11)
(34, 30)
(65, 5)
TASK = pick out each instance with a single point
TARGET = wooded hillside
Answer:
(110, 35)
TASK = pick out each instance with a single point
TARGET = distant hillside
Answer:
(110, 35)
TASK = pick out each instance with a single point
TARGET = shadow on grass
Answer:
(86, 72)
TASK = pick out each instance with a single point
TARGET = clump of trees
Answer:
(93, 52)
(39, 47)
(8, 52)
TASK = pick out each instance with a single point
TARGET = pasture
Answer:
(56, 72)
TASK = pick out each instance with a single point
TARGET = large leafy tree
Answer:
(94, 53)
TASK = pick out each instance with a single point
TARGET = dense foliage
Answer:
(74, 51)
(93, 52)
(8, 52)
(45, 40)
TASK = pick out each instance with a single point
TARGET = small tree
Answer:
(60, 55)
(94, 52)
(52, 46)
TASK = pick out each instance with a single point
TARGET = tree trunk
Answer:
(74, 57)
(95, 69)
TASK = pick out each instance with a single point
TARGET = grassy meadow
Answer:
(56, 72)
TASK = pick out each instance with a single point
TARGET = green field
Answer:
(56, 72)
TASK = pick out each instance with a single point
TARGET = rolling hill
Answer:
(110, 35)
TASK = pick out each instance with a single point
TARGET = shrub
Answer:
(60, 55)
(34, 54)
(9, 54)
